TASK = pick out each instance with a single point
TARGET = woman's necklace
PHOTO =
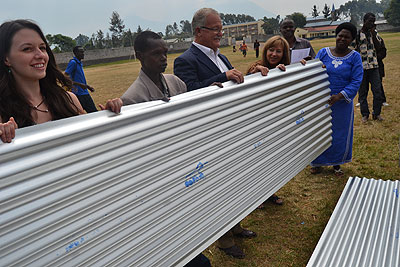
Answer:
(38, 105)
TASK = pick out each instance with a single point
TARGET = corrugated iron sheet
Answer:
(157, 184)
(364, 227)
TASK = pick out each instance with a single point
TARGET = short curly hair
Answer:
(347, 26)
(141, 43)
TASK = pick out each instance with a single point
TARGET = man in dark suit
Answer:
(200, 66)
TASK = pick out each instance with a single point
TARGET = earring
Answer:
(9, 71)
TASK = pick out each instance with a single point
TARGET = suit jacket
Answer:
(143, 89)
(197, 70)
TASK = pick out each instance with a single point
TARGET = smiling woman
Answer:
(275, 53)
(31, 89)
(345, 71)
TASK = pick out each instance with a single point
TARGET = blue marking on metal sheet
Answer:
(300, 118)
(74, 244)
(195, 175)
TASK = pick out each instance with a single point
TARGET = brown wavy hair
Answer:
(12, 101)
(273, 42)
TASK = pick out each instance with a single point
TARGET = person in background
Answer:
(367, 45)
(381, 54)
(287, 29)
(80, 89)
(200, 66)
(243, 48)
(345, 73)
(257, 47)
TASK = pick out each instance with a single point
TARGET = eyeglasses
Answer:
(215, 30)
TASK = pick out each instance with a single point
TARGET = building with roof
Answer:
(248, 31)
(318, 27)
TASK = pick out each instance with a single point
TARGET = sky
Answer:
(75, 17)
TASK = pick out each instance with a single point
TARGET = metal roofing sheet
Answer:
(160, 182)
(364, 227)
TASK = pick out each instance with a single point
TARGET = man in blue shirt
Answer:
(75, 71)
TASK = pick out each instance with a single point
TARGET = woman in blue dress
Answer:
(345, 71)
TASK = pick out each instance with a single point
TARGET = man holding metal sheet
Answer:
(202, 65)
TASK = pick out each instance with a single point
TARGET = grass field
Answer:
(288, 234)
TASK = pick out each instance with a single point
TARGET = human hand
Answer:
(90, 88)
(234, 75)
(259, 68)
(334, 98)
(303, 62)
(113, 105)
(217, 84)
(282, 67)
(7, 130)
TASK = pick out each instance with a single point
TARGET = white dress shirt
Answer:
(211, 54)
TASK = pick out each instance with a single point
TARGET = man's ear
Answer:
(139, 55)
(197, 31)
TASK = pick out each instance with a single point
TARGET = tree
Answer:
(169, 30)
(81, 39)
(271, 25)
(392, 14)
(129, 37)
(175, 27)
(326, 11)
(356, 9)
(228, 19)
(298, 18)
(314, 12)
(108, 41)
(117, 29)
(186, 27)
(139, 29)
(61, 42)
(99, 40)
(385, 4)
(90, 44)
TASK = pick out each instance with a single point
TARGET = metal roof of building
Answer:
(325, 28)
(324, 23)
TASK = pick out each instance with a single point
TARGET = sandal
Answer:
(275, 199)
(338, 172)
(316, 170)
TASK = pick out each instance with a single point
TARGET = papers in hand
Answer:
(299, 54)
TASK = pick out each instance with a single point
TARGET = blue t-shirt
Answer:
(75, 71)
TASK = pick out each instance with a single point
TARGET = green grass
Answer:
(111, 63)
(288, 234)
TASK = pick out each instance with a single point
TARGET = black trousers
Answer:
(372, 77)
(87, 103)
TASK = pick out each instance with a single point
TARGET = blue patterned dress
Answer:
(345, 76)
